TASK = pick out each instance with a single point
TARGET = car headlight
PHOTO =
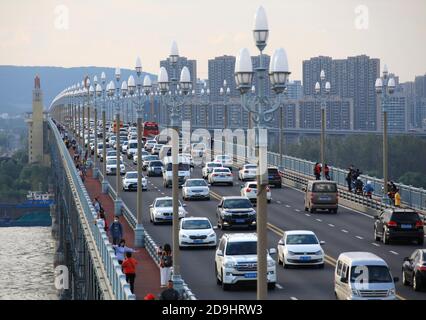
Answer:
(229, 264)
(318, 253)
(391, 292)
(355, 292)
(271, 263)
(184, 236)
(291, 253)
(211, 235)
(227, 213)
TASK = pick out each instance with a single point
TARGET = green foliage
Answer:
(407, 155)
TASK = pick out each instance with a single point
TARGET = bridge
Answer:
(87, 250)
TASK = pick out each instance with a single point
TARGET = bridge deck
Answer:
(147, 272)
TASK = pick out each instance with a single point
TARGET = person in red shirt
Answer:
(129, 269)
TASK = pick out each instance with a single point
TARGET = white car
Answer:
(225, 160)
(111, 167)
(195, 189)
(196, 232)
(247, 172)
(135, 157)
(130, 181)
(112, 154)
(236, 260)
(208, 168)
(146, 159)
(156, 149)
(150, 144)
(299, 247)
(161, 210)
(124, 146)
(100, 148)
(249, 190)
(221, 175)
(132, 148)
(189, 157)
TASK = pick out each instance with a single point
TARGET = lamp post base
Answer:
(139, 236)
(105, 186)
(178, 283)
(117, 207)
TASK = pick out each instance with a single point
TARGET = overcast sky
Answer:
(114, 32)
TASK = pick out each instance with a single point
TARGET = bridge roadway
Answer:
(347, 231)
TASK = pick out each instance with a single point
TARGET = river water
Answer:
(26, 264)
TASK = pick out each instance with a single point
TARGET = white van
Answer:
(184, 171)
(363, 276)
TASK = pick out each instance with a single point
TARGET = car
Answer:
(135, 157)
(111, 166)
(321, 195)
(130, 181)
(247, 172)
(236, 261)
(225, 160)
(221, 175)
(300, 248)
(100, 149)
(161, 210)
(184, 171)
(363, 276)
(235, 211)
(196, 232)
(401, 224)
(124, 147)
(112, 154)
(146, 159)
(156, 149)
(249, 190)
(274, 177)
(208, 168)
(189, 157)
(155, 168)
(132, 148)
(414, 270)
(195, 189)
(150, 144)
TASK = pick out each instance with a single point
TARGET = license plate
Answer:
(198, 241)
(250, 275)
(239, 220)
(324, 198)
(406, 226)
(305, 258)
(168, 217)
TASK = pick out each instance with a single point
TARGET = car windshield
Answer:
(133, 145)
(213, 165)
(241, 248)
(111, 153)
(151, 142)
(100, 146)
(112, 161)
(252, 185)
(241, 203)
(251, 166)
(132, 175)
(324, 187)
(273, 171)
(405, 216)
(301, 239)
(196, 224)
(150, 158)
(155, 164)
(165, 203)
(221, 170)
(196, 183)
(182, 167)
(223, 157)
(374, 274)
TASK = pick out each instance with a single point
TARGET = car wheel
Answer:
(385, 238)
(231, 184)
(279, 260)
(225, 286)
(405, 282)
(306, 209)
(279, 186)
(312, 210)
(416, 283)
(320, 266)
(271, 286)
(421, 241)
(218, 282)
(269, 200)
(376, 237)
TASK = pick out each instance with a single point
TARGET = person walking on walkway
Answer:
(129, 269)
(103, 220)
(397, 198)
(121, 250)
(327, 172)
(166, 263)
(97, 205)
(317, 171)
(116, 230)
(170, 293)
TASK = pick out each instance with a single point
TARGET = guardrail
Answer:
(117, 279)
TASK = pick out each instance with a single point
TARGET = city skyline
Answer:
(55, 37)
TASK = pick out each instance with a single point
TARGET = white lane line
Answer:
(163, 193)
(345, 231)
(359, 237)
(297, 210)
(375, 244)
(307, 214)
(393, 252)
(279, 286)
(279, 202)
(331, 225)
(288, 206)
(293, 298)
(319, 220)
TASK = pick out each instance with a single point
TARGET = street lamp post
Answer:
(104, 98)
(142, 95)
(261, 109)
(97, 94)
(385, 87)
(281, 132)
(88, 96)
(173, 96)
(225, 92)
(320, 89)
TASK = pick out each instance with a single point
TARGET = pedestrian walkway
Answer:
(147, 271)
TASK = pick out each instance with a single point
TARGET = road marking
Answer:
(293, 298)
(319, 220)
(345, 231)
(279, 286)
(288, 206)
(279, 202)
(393, 252)
(359, 237)
(307, 214)
(297, 210)
(331, 225)
(375, 244)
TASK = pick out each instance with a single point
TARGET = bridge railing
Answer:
(117, 279)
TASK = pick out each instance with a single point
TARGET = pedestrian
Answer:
(121, 249)
(116, 230)
(97, 205)
(349, 180)
(129, 269)
(170, 293)
(166, 262)
(327, 172)
(368, 189)
(102, 219)
(397, 198)
(317, 171)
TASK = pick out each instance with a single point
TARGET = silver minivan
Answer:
(363, 276)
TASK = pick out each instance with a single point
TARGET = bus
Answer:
(150, 129)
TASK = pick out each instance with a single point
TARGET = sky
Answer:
(114, 32)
